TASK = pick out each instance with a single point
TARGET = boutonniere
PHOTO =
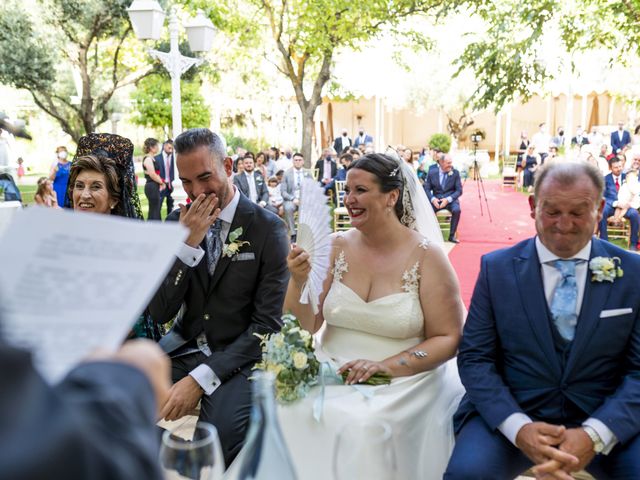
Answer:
(450, 172)
(605, 269)
(233, 246)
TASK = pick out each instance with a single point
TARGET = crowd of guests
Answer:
(616, 156)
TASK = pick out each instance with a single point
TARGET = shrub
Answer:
(440, 141)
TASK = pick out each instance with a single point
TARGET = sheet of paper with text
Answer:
(71, 283)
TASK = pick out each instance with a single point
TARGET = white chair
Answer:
(341, 220)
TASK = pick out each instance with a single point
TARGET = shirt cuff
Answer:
(606, 435)
(449, 199)
(512, 425)
(190, 256)
(614, 204)
(206, 378)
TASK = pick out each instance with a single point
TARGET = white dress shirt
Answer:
(253, 192)
(550, 278)
(167, 167)
(206, 378)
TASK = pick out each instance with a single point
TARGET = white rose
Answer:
(300, 360)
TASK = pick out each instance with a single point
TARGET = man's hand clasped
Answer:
(556, 450)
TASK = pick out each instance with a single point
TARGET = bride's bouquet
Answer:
(290, 356)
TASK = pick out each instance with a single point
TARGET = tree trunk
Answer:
(307, 135)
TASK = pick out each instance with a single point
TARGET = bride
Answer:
(390, 304)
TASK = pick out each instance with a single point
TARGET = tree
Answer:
(74, 70)
(306, 35)
(528, 43)
(152, 104)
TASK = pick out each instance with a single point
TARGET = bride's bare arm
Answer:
(443, 312)
(299, 266)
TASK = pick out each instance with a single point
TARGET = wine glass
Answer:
(364, 450)
(198, 459)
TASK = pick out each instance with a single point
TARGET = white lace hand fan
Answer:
(314, 230)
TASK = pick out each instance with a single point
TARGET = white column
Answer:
(507, 132)
(568, 117)
(583, 113)
(498, 132)
(382, 143)
(549, 108)
(612, 106)
(377, 124)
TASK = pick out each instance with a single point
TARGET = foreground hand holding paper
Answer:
(72, 283)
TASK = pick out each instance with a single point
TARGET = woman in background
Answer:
(155, 183)
(59, 174)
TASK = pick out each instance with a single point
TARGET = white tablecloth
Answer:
(7, 210)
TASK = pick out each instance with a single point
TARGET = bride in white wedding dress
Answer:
(390, 304)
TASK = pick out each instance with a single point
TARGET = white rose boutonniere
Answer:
(233, 246)
(605, 269)
(450, 172)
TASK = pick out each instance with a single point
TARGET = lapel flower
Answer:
(605, 269)
(450, 172)
(233, 246)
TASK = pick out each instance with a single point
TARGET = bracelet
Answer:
(418, 353)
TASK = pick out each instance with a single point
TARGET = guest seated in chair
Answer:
(341, 175)
(552, 373)
(443, 187)
(613, 182)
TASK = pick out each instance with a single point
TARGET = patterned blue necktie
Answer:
(214, 245)
(564, 300)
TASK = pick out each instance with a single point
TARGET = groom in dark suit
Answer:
(550, 355)
(443, 187)
(228, 281)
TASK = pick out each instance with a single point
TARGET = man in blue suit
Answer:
(443, 187)
(550, 355)
(612, 183)
(620, 138)
(166, 161)
(362, 138)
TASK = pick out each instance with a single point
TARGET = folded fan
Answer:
(314, 236)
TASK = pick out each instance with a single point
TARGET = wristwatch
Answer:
(598, 446)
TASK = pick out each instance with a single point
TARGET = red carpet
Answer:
(511, 223)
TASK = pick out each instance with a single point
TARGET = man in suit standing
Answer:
(290, 187)
(165, 160)
(580, 138)
(326, 166)
(443, 187)
(229, 280)
(550, 354)
(363, 138)
(342, 142)
(612, 183)
(253, 185)
(97, 423)
(620, 138)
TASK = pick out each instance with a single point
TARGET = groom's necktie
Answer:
(565, 296)
(214, 245)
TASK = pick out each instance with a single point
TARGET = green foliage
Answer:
(440, 141)
(90, 39)
(233, 142)
(152, 104)
(509, 59)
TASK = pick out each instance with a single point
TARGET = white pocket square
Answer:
(243, 257)
(615, 312)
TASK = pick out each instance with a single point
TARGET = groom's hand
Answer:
(539, 441)
(184, 396)
(199, 217)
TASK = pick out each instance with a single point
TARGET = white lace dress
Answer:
(419, 408)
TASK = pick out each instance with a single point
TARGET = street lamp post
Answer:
(147, 18)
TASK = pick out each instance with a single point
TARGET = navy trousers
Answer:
(634, 220)
(483, 454)
(454, 208)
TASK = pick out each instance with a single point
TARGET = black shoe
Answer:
(453, 240)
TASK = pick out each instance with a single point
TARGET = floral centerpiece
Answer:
(290, 356)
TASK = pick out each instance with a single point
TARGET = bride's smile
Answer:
(364, 199)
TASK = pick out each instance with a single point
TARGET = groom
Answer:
(227, 297)
(550, 355)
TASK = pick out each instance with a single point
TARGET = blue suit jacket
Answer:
(616, 144)
(610, 192)
(367, 139)
(507, 359)
(160, 162)
(452, 185)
